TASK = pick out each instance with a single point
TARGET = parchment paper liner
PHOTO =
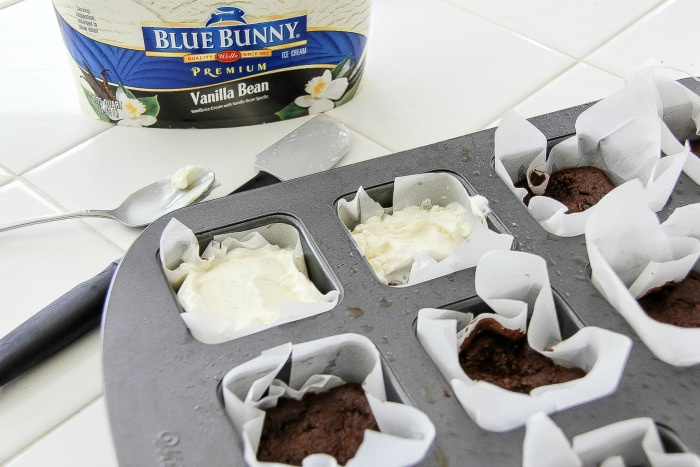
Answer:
(406, 433)
(622, 135)
(442, 189)
(179, 254)
(680, 110)
(629, 442)
(515, 285)
(630, 253)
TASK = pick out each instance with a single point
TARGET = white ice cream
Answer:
(248, 285)
(182, 178)
(390, 242)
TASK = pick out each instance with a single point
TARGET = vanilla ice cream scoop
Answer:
(248, 286)
(390, 242)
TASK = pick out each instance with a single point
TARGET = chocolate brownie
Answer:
(537, 178)
(676, 303)
(695, 147)
(503, 357)
(331, 422)
(578, 188)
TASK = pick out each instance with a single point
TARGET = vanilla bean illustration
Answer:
(100, 87)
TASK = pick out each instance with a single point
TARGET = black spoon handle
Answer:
(54, 327)
(70, 316)
(260, 180)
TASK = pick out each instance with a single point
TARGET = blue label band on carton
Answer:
(227, 71)
(198, 39)
(133, 68)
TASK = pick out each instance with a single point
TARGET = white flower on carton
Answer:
(631, 252)
(131, 111)
(515, 285)
(322, 91)
(405, 434)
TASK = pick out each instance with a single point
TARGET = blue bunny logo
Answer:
(226, 13)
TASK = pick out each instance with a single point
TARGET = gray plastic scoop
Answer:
(315, 146)
(294, 157)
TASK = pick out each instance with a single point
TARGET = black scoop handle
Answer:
(260, 180)
(54, 327)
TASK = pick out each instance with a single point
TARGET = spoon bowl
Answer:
(144, 205)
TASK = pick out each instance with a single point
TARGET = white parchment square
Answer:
(179, 254)
(631, 252)
(515, 285)
(680, 109)
(623, 135)
(629, 442)
(405, 434)
(441, 189)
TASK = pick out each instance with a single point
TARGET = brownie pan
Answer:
(162, 386)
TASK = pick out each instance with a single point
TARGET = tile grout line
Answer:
(642, 17)
(38, 191)
(554, 78)
(51, 430)
(582, 59)
(11, 176)
(577, 61)
(511, 31)
(18, 175)
(354, 130)
(535, 91)
(63, 151)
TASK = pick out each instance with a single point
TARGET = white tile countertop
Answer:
(436, 69)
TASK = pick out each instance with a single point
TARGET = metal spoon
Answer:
(143, 206)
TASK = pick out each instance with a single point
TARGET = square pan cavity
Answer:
(383, 194)
(320, 272)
